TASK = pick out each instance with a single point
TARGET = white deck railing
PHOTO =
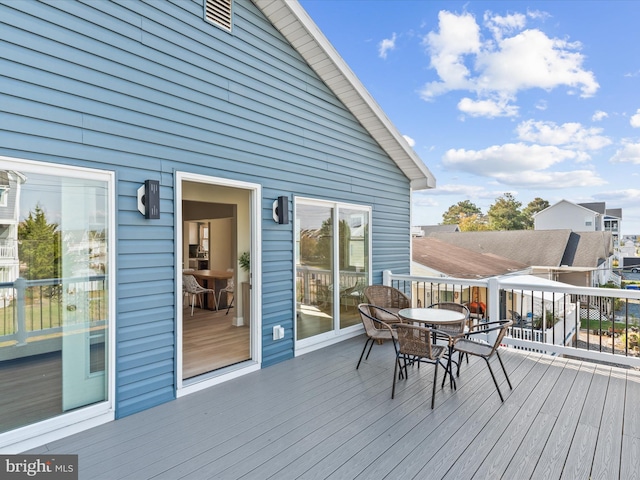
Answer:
(601, 324)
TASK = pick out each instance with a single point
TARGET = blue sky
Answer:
(539, 99)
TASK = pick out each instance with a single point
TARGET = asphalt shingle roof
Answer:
(460, 262)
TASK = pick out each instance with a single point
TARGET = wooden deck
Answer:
(316, 417)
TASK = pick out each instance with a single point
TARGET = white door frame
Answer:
(256, 284)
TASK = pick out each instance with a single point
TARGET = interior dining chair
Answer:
(229, 289)
(196, 291)
(483, 340)
(415, 345)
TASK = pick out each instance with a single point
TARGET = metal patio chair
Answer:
(478, 342)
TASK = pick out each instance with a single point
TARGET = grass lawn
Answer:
(601, 325)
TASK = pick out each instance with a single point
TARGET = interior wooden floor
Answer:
(210, 341)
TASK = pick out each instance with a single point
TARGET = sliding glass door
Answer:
(332, 267)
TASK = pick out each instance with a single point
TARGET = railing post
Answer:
(21, 334)
(493, 299)
(386, 277)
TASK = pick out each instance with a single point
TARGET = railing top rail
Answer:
(505, 284)
(447, 280)
(56, 281)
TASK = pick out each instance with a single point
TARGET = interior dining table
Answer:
(216, 280)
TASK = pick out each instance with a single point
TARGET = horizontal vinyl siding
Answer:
(149, 88)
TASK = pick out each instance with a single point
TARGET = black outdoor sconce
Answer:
(281, 210)
(149, 199)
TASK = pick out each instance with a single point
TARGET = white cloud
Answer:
(599, 115)
(519, 164)
(425, 198)
(553, 180)
(500, 25)
(468, 191)
(459, 35)
(635, 119)
(629, 153)
(385, 45)
(487, 108)
(622, 197)
(508, 158)
(510, 61)
(410, 141)
(569, 135)
(541, 105)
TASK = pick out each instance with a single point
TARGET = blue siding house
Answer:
(224, 140)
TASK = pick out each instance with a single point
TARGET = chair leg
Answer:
(494, 379)
(395, 372)
(449, 370)
(504, 370)
(230, 304)
(362, 354)
(370, 347)
(435, 379)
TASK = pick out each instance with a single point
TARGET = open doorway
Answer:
(215, 321)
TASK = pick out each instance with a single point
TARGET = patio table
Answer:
(434, 317)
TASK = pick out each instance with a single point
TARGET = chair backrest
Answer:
(453, 328)
(370, 323)
(501, 327)
(386, 297)
(414, 340)
(190, 283)
(456, 307)
(504, 328)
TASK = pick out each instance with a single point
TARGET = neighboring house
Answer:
(580, 217)
(244, 119)
(582, 259)
(10, 185)
(434, 257)
(429, 229)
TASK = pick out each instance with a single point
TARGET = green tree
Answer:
(474, 223)
(534, 206)
(39, 246)
(456, 213)
(506, 214)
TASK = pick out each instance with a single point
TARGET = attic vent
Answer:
(219, 12)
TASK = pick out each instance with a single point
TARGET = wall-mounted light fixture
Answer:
(149, 199)
(281, 210)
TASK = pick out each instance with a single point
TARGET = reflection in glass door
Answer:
(354, 262)
(314, 276)
(54, 305)
(332, 266)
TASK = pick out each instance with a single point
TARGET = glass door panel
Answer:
(54, 315)
(314, 270)
(353, 254)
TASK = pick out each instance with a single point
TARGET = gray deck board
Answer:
(559, 442)
(606, 463)
(316, 417)
(503, 450)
